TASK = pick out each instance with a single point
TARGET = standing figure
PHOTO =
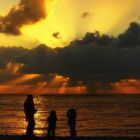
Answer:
(29, 110)
(71, 114)
(52, 123)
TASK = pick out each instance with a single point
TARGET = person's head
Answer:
(72, 110)
(30, 97)
(53, 113)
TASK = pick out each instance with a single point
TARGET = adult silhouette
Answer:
(52, 123)
(71, 114)
(29, 110)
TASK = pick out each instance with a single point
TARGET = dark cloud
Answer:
(56, 35)
(92, 59)
(27, 12)
(6, 76)
(9, 54)
(85, 14)
(94, 54)
(41, 59)
(131, 37)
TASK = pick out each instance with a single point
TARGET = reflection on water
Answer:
(40, 117)
(103, 115)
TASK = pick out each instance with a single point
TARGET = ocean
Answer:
(97, 115)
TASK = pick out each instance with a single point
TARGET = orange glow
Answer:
(33, 89)
(63, 88)
(14, 67)
(24, 78)
(127, 86)
(79, 89)
(57, 81)
(13, 89)
(58, 85)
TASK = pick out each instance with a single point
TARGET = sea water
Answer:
(97, 115)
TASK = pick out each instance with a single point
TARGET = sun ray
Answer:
(23, 78)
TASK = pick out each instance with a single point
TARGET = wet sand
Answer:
(4, 137)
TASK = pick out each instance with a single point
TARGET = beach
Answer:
(2, 137)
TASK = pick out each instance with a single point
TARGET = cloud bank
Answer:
(93, 54)
(97, 60)
(27, 12)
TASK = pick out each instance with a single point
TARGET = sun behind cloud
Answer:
(65, 17)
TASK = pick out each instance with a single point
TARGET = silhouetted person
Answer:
(29, 110)
(52, 123)
(71, 114)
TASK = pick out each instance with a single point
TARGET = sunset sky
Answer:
(52, 46)
(67, 20)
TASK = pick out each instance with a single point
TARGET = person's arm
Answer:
(33, 108)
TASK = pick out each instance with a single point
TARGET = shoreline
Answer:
(12, 137)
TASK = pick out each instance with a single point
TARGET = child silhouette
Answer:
(71, 114)
(52, 123)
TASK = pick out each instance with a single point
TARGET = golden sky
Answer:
(70, 19)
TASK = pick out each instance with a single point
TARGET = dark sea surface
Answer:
(97, 115)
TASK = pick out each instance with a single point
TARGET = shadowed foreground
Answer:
(2, 137)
